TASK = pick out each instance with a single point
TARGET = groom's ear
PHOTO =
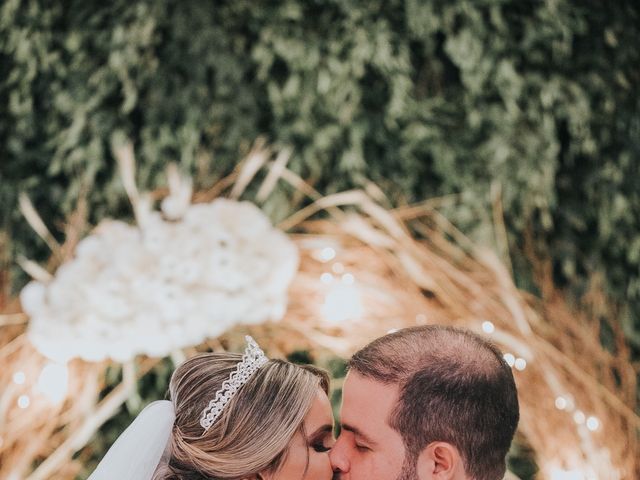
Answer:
(440, 461)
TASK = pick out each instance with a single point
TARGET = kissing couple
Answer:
(422, 403)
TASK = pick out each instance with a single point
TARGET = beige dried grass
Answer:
(410, 266)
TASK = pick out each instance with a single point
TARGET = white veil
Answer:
(138, 451)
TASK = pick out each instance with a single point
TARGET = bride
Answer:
(230, 416)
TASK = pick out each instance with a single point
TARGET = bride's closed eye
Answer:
(322, 440)
(321, 448)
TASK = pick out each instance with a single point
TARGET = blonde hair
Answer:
(255, 428)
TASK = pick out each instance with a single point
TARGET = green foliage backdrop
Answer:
(425, 98)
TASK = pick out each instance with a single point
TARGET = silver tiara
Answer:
(252, 360)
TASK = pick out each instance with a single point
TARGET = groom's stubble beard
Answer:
(409, 469)
(408, 472)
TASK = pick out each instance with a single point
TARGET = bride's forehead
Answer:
(320, 412)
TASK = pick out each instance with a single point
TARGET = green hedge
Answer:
(425, 98)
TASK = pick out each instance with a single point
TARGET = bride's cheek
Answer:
(323, 466)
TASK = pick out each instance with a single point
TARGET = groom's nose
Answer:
(339, 458)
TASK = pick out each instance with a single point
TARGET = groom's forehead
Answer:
(364, 398)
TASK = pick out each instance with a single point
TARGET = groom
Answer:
(426, 403)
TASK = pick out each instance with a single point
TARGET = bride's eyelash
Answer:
(320, 447)
(319, 444)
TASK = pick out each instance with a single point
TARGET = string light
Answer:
(579, 417)
(24, 401)
(19, 378)
(488, 327)
(337, 268)
(561, 403)
(326, 278)
(593, 423)
(510, 359)
(327, 254)
(520, 364)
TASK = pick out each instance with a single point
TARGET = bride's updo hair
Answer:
(255, 428)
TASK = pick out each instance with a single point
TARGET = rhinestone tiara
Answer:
(252, 360)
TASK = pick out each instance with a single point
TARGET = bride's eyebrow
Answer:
(321, 431)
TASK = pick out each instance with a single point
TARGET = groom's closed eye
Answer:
(362, 441)
(363, 438)
(361, 447)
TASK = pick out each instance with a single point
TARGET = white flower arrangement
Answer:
(174, 280)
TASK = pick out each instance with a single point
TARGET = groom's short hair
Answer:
(455, 387)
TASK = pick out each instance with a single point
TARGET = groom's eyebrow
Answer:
(356, 431)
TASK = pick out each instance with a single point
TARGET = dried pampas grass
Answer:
(366, 270)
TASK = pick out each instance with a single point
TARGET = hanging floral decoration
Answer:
(183, 274)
